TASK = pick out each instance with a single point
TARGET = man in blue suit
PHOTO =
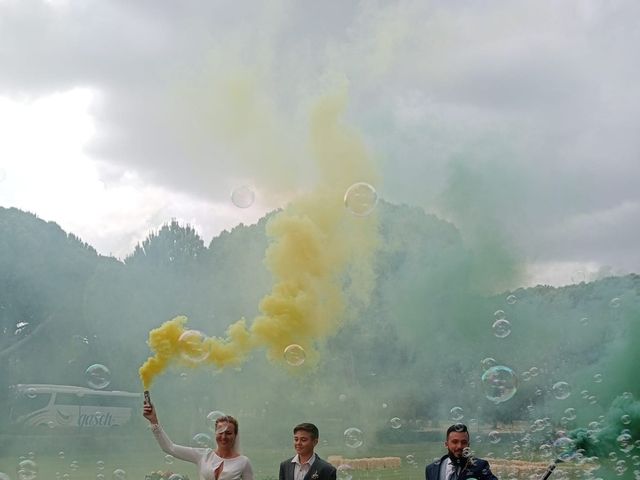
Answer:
(457, 464)
(306, 465)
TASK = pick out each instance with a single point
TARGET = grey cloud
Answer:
(542, 112)
(538, 99)
(609, 235)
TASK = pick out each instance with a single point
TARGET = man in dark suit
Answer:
(457, 464)
(306, 465)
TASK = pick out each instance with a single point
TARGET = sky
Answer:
(116, 117)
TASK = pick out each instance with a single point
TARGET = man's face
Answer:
(456, 443)
(304, 443)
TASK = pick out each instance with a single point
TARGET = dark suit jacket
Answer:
(477, 468)
(320, 470)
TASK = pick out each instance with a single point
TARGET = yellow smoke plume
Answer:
(316, 248)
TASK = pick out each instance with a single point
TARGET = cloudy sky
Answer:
(520, 116)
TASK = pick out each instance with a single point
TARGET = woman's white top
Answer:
(237, 468)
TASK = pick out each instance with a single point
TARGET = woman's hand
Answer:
(149, 412)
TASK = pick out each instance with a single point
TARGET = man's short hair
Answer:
(457, 427)
(307, 427)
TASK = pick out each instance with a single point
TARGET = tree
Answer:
(172, 246)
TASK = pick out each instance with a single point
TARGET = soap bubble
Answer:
(570, 413)
(538, 425)
(212, 417)
(564, 448)
(353, 437)
(201, 440)
(294, 355)
(395, 423)
(597, 378)
(499, 315)
(625, 443)
(499, 384)
(625, 419)
(512, 299)
(488, 362)
(61, 455)
(494, 436)
(168, 459)
(176, 476)
(98, 376)
(458, 427)
(27, 470)
(243, 197)
(119, 474)
(344, 472)
(615, 302)
(22, 328)
(31, 392)
(360, 199)
(561, 390)
(545, 450)
(74, 465)
(193, 346)
(457, 413)
(501, 328)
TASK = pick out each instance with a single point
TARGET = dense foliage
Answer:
(417, 346)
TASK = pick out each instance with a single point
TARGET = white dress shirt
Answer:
(301, 469)
(449, 469)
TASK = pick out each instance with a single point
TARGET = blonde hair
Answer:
(228, 419)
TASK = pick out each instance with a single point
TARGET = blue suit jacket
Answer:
(475, 468)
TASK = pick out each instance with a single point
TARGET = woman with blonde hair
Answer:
(223, 463)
